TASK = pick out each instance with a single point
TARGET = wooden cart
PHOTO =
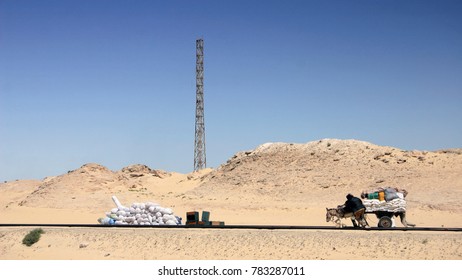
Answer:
(385, 216)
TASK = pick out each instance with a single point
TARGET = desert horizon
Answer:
(274, 184)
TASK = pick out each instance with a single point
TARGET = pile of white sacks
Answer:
(143, 214)
(395, 205)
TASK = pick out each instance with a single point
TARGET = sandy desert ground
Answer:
(274, 184)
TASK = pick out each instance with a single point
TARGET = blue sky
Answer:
(113, 82)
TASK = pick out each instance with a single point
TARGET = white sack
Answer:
(167, 211)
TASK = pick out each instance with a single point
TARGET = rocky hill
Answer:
(274, 175)
(90, 184)
(328, 169)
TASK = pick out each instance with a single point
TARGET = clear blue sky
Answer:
(113, 82)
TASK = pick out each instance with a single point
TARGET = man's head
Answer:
(349, 196)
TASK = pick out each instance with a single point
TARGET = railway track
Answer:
(261, 227)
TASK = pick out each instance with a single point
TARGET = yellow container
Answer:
(381, 196)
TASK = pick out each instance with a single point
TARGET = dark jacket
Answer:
(353, 204)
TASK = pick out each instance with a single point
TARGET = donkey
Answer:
(336, 214)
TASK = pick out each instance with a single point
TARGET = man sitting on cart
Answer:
(355, 205)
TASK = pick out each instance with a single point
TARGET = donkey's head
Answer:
(330, 213)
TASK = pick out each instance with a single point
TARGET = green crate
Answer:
(205, 216)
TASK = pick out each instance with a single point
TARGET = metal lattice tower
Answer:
(199, 142)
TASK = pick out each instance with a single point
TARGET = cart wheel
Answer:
(385, 222)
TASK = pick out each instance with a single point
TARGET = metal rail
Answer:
(262, 227)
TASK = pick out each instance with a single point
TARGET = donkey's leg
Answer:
(338, 222)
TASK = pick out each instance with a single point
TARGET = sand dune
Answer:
(276, 183)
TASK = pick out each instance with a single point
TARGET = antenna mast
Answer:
(199, 142)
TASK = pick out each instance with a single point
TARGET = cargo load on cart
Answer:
(386, 203)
